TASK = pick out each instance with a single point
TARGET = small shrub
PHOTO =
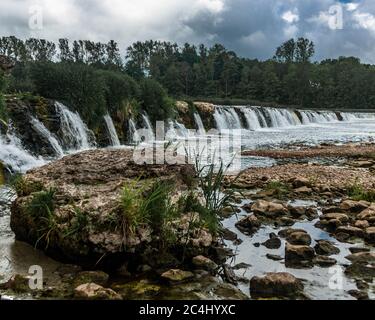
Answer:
(79, 223)
(24, 187)
(357, 192)
(145, 204)
(41, 209)
(278, 187)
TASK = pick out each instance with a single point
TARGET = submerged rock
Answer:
(299, 238)
(177, 276)
(248, 225)
(299, 256)
(276, 285)
(202, 262)
(326, 248)
(324, 261)
(370, 235)
(92, 291)
(273, 242)
(268, 209)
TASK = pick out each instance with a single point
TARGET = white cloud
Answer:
(365, 20)
(291, 16)
(351, 6)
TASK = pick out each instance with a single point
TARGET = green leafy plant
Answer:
(79, 223)
(41, 208)
(278, 187)
(358, 193)
(145, 204)
(24, 187)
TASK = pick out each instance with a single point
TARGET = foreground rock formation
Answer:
(72, 208)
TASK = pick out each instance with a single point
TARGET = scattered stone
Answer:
(324, 261)
(299, 238)
(343, 237)
(241, 265)
(359, 295)
(303, 190)
(248, 225)
(354, 206)
(268, 209)
(370, 235)
(285, 222)
(202, 262)
(301, 182)
(362, 224)
(282, 285)
(273, 242)
(227, 212)
(229, 275)
(92, 291)
(326, 248)
(138, 290)
(274, 257)
(343, 218)
(286, 232)
(351, 231)
(18, 283)
(229, 235)
(355, 250)
(298, 256)
(177, 275)
(362, 257)
(368, 214)
(333, 210)
(297, 212)
(98, 277)
(362, 164)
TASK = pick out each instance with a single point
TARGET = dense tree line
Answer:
(289, 78)
(93, 77)
(87, 76)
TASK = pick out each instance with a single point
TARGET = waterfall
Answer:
(112, 131)
(220, 119)
(133, 134)
(234, 119)
(44, 132)
(265, 117)
(148, 126)
(75, 133)
(181, 129)
(14, 156)
(252, 119)
(199, 124)
(227, 118)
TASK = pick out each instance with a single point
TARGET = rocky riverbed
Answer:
(293, 231)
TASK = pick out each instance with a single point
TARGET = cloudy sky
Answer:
(252, 28)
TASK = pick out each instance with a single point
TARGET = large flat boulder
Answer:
(276, 285)
(72, 208)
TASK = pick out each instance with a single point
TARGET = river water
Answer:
(268, 130)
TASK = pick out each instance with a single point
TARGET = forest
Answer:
(94, 77)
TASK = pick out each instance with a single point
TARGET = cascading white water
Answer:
(199, 124)
(265, 117)
(75, 133)
(252, 119)
(221, 123)
(148, 127)
(133, 134)
(112, 131)
(227, 118)
(14, 156)
(40, 127)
